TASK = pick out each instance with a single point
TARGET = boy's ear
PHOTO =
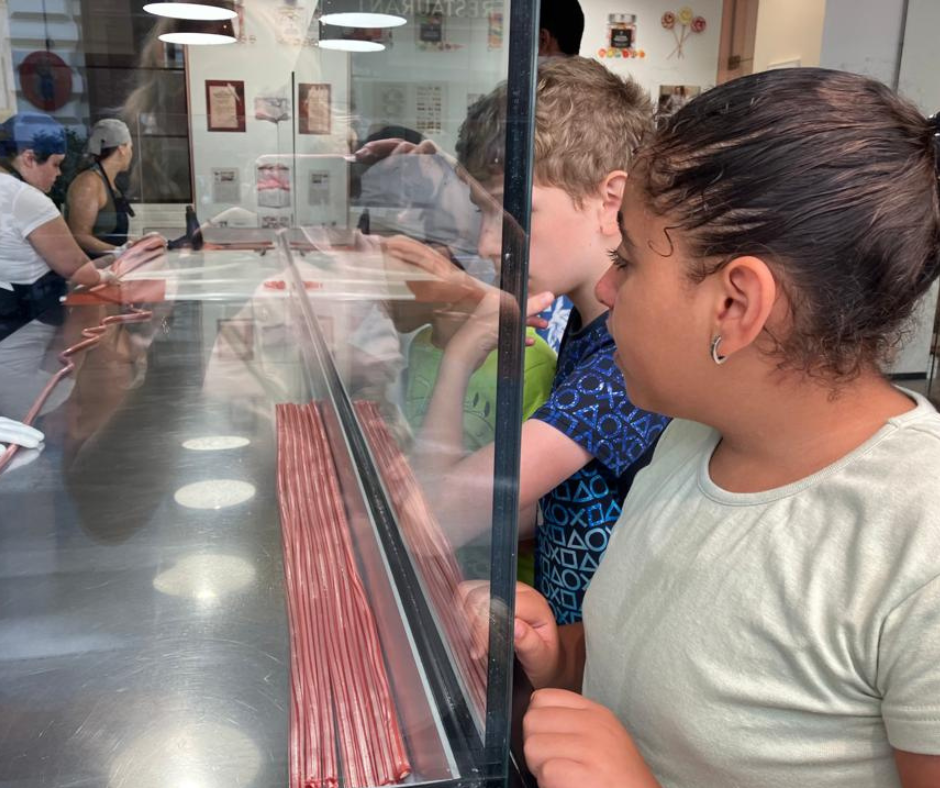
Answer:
(545, 41)
(611, 196)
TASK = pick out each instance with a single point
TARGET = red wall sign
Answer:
(46, 80)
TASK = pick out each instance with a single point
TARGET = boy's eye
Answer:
(617, 259)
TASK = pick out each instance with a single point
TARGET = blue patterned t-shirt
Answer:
(589, 404)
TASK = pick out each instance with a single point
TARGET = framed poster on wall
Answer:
(314, 115)
(225, 105)
(429, 108)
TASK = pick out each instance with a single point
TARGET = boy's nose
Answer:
(605, 289)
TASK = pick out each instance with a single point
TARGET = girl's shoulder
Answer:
(908, 456)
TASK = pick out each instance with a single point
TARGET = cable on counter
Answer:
(92, 336)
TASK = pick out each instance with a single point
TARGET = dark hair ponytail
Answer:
(827, 176)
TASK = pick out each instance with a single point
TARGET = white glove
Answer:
(30, 440)
(18, 433)
(106, 276)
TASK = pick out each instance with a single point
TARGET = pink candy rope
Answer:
(336, 658)
(92, 337)
(429, 547)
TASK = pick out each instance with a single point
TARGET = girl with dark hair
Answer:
(767, 613)
(37, 251)
(97, 211)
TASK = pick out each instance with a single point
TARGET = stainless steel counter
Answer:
(143, 642)
(143, 629)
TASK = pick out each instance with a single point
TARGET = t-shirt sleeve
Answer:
(32, 209)
(590, 406)
(908, 678)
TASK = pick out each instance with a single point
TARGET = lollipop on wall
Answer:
(683, 25)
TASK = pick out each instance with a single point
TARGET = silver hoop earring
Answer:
(716, 356)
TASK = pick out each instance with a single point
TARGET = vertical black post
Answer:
(293, 139)
(517, 200)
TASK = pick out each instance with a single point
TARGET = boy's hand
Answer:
(377, 150)
(145, 250)
(572, 741)
(450, 285)
(535, 633)
(479, 336)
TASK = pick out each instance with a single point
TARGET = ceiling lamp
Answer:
(189, 32)
(202, 10)
(349, 13)
(351, 45)
(346, 40)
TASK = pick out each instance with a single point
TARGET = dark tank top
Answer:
(113, 220)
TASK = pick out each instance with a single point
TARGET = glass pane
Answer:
(249, 562)
(257, 545)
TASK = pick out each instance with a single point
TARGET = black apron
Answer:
(112, 221)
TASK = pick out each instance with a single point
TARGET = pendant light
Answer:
(347, 40)
(197, 33)
(202, 10)
(349, 13)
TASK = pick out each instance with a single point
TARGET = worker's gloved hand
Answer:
(148, 249)
(28, 438)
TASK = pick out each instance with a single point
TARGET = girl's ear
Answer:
(747, 292)
(611, 194)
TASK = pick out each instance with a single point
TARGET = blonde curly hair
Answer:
(588, 122)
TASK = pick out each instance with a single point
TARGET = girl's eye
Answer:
(617, 259)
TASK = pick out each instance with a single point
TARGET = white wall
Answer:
(265, 62)
(787, 31)
(866, 38)
(7, 78)
(28, 31)
(472, 68)
(863, 38)
(920, 59)
(467, 68)
(699, 66)
(919, 67)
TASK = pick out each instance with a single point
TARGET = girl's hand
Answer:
(535, 633)
(571, 741)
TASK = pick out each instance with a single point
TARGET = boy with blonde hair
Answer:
(582, 448)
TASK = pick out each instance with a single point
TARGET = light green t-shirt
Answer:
(782, 639)
(479, 406)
